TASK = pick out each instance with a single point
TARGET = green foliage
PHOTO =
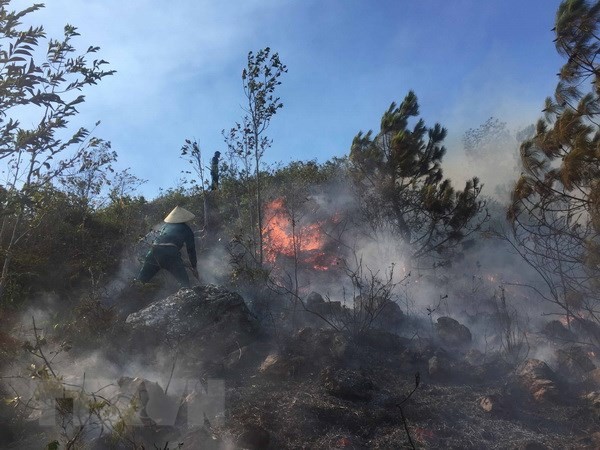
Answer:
(247, 141)
(297, 174)
(68, 242)
(399, 175)
(45, 88)
(555, 203)
(86, 182)
(191, 152)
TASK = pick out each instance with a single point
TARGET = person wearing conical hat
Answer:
(165, 252)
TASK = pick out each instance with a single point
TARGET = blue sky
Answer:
(179, 63)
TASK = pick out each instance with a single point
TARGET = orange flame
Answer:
(283, 237)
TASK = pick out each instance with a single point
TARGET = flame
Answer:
(283, 237)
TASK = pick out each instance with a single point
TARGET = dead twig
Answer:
(38, 347)
(404, 422)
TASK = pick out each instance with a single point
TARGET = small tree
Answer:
(401, 184)
(192, 153)
(85, 183)
(45, 87)
(247, 140)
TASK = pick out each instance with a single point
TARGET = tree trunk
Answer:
(258, 199)
(402, 225)
(8, 257)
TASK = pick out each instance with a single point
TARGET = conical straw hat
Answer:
(179, 215)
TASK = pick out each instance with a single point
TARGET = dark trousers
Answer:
(164, 257)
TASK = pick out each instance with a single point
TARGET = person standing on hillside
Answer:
(165, 252)
(214, 171)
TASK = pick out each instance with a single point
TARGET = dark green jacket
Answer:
(178, 234)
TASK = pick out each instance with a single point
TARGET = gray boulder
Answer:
(452, 333)
(539, 379)
(196, 319)
(382, 313)
(574, 362)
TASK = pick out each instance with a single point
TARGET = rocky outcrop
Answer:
(452, 333)
(281, 366)
(556, 330)
(320, 347)
(316, 304)
(539, 379)
(195, 320)
(574, 362)
(381, 313)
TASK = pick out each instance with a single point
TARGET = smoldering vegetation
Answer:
(345, 340)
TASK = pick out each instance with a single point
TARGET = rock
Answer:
(196, 319)
(382, 340)
(574, 362)
(317, 306)
(347, 384)
(327, 309)
(318, 346)
(378, 312)
(492, 404)
(254, 437)
(555, 329)
(390, 317)
(452, 333)
(278, 366)
(314, 299)
(539, 379)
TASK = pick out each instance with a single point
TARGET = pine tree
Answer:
(555, 208)
(400, 177)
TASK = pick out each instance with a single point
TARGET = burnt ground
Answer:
(360, 401)
(316, 388)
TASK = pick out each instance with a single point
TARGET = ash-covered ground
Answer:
(206, 368)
